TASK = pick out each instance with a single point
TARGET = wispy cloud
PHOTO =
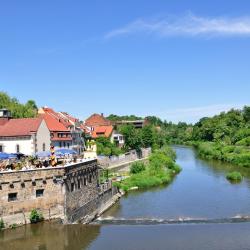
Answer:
(187, 25)
(193, 114)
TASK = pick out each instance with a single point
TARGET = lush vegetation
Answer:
(2, 226)
(223, 137)
(105, 147)
(137, 167)
(18, 110)
(148, 136)
(234, 176)
(238, 155)
(161, 169)
(36, 216)
(113, 117)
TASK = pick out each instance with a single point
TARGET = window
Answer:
(64, 144)
(72, 187)
(79, 184)
(17, 148)
(39, 192)
(1, 148)
(12, 196)
(60, 144)
(44, 147)
(68, 145)
(90, 178)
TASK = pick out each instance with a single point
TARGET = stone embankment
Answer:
(71, 193)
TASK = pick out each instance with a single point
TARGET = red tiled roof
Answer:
(71, 118)
(20, 127)
(97, 120)
(105, 131)
(53, 124)
(57, 116)
(85, 129)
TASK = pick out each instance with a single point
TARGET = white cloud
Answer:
(188, 25)
(193, 114)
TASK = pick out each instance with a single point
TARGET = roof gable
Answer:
(97, 120)
(105, 131)
(20, 127)
(53, 124)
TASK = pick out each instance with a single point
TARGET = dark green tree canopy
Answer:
(17, 109)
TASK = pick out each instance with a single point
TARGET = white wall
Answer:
(43, 136)
(26, 145)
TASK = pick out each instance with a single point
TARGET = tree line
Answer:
(18, 110)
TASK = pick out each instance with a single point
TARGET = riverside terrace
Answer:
(71, 193)
(29, 163)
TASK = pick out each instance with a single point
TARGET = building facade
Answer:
(65, 130)
(26, 136)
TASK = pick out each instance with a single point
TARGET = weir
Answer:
(145, 221)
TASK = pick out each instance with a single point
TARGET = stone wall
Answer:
(124, 158)
(70, 193)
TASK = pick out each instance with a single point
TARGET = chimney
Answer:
(5, 116)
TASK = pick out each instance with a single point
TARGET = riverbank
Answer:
(160, 169)
(237, 155)
(200, 194)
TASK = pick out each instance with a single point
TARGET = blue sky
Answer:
(180, 60)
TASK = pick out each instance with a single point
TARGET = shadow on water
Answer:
(45, 236)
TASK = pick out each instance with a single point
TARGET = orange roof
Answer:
(85, 129)
(20, 127)
(57, 116)
(105, 131)
(53, 124)
(97, 120)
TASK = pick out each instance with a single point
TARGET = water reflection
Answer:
(45, 236)
(200, 191)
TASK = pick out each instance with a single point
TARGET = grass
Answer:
(160, 170)
(234, 176)
(2, 226)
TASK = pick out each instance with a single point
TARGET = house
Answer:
(96, 126)
(25, 135)
(135, 123)
(65, 130)
(105, 131)
(99, 126)
(118, 139)
(97, 120)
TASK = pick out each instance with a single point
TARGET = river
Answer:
(200, 209)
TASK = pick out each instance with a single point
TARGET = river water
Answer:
(200, 209)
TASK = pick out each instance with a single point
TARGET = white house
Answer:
(26, 135)
(117, 138)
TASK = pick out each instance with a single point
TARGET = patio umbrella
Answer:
(43, 154)
(4, 156)
(13, 156)
(66, 151)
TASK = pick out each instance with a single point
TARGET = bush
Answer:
(2, 226)
(137, 167)
(160, 170)
(35, 216)
(234, 176)
(13, 226)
